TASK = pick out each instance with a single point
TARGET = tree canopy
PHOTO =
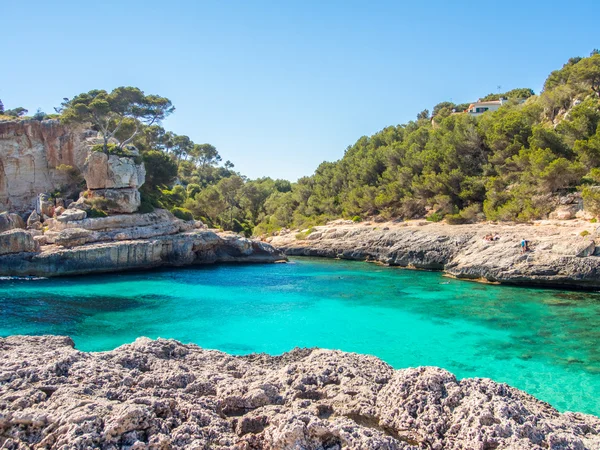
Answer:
(118, 115)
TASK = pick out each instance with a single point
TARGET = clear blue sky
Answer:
(279, 87)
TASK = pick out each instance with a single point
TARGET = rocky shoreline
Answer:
(562, 253)
(165, 395)
(123, 242)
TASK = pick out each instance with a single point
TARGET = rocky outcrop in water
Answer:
(165, 395)
(31, 152)
(82, 245)
(562, 253)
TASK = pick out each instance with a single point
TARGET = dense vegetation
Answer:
(505, 165)
(510, 164)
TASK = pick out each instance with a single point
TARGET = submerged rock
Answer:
(163, 394)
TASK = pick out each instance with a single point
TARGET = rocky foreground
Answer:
(165, 395)
(562, 253)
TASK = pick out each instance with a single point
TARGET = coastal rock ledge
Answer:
(165, 395)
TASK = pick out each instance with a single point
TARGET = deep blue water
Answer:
(542, 341)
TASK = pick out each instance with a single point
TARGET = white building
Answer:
(479, 107)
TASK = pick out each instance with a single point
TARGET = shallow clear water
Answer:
(545, 342)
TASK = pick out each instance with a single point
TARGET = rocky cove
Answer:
(163, 394)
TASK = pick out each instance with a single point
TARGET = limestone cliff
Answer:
(166, 395)
(30, 152)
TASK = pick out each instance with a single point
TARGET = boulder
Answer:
(58, 211)
(565, 212)
(10, 221)
(71, 215)
(17, 241)
(34, 222)
(102, 171)
(80, 204)
(44, 205)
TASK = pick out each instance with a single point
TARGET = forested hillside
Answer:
(510, 164)
(504, 165)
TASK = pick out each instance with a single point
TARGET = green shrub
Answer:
(591, 199)
(455, 219)
(356, 219)
(304, 234)
(182, 213)
(593, 220)
(93, 213)
(584, 233)
(435, 217)
(145, 207)
(102, 204)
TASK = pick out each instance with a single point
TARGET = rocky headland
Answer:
(165, 395)
(562, 253)
(42, 234)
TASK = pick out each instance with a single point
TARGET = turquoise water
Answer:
(542, 341)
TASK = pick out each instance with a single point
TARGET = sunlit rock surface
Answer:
(163, 394)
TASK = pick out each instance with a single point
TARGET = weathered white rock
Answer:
(10, 221)
(71, 215)
(17, 241)
(559, 255)
(44, 205)
(102, 171)
(34, 221)
(163, 394)
(30, 152)
(115, 255)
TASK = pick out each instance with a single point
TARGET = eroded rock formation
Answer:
(115, 178)
(561, 253)
(80, 245)
(165, 395)
(30, 153)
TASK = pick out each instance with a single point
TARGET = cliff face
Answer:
(166, 395)
(30, 152)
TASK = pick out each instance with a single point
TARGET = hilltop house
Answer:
(479, 107)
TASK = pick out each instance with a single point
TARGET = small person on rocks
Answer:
(524, 246)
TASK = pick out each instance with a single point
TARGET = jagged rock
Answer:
(33, 221)
(71, 215)
(10, 221)
(44, 206)
(59, 210)
(163, 394)
(30, 152)
(17, 241)
(80, 204)
(155, 218)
